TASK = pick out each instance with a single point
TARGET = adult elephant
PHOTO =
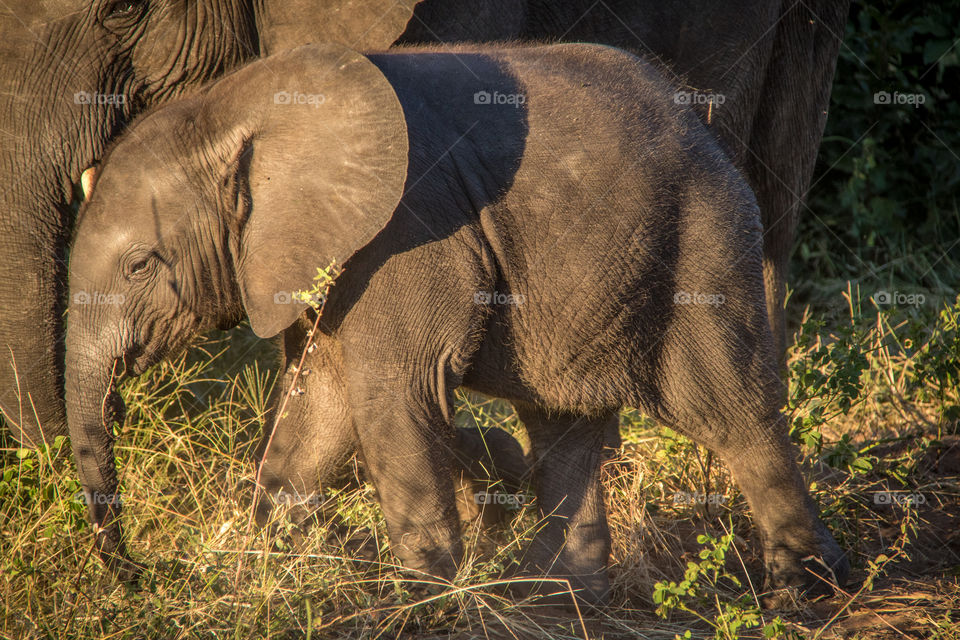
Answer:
(74, 72)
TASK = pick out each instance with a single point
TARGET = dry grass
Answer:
(187, 474)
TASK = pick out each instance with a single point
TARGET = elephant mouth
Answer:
(141, 358)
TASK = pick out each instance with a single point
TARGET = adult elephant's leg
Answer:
(31, 329)
(782, 149)
(568, 452)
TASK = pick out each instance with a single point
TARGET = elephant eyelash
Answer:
(140, 266)
(123, 10)
(124, 7)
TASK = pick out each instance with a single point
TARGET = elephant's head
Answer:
(73, 73)
(220, 204)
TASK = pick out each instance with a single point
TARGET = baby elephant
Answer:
(541, 224)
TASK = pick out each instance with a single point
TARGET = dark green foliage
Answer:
(883, 210)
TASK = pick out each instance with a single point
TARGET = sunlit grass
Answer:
(187, 472)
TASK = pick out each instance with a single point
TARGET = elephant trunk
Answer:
(93, 405)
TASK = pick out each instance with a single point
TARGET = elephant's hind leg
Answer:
(568, 452)
(734, 411)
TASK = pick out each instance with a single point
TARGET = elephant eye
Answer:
(124, 7)
(139, 266)
(124, 10)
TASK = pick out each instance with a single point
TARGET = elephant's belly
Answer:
(498, 370)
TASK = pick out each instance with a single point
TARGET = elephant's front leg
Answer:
(316, 436)
(406, 442)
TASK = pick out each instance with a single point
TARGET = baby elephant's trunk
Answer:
(93, 405)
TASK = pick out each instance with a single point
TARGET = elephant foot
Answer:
(793, 575)
(127, 572)
(427, 557)
(492, 454)
(477, 503)
(559, 591)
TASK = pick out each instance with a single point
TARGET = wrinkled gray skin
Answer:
(597, 205)
(772, 61)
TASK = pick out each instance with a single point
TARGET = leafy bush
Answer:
(884, 207)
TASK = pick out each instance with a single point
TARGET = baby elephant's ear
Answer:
(324, 170)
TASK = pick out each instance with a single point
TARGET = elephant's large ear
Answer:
(322, 160)
(364, 25)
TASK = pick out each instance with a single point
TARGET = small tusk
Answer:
(87, 181)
